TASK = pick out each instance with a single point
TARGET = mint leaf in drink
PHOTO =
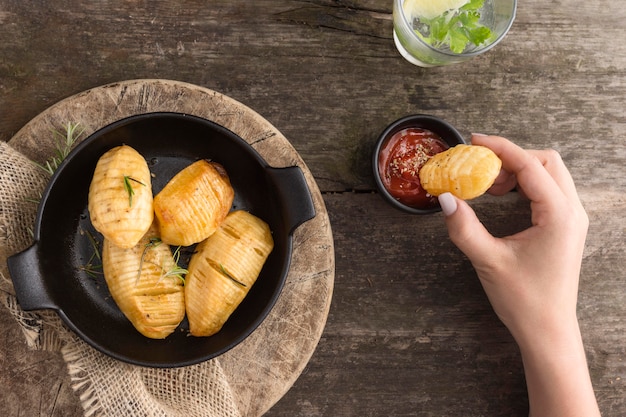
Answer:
(469, 18)
(479, 35)
(439, 29)
(458, 40)
(456, 28)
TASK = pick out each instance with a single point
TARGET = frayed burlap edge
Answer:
(198, 390)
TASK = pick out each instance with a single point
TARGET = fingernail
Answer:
(478, 134)
(447, 203)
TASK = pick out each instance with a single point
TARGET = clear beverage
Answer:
(452, 35)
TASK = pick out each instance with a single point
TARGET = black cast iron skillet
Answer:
(52, 274)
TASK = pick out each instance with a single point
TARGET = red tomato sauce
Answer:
(400, 159)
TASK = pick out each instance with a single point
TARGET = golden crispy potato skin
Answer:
(466, 171)
(223, 269)
(120, 196)
(153, 301)
(193, 204)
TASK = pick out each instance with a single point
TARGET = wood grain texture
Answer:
(410, 332)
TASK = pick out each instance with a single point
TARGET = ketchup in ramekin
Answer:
(399, 161)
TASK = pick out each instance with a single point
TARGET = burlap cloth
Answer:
(247, 380)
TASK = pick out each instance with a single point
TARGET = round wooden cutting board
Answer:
(263, 367)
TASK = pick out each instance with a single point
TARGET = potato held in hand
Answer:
(120, 196)
(223, 269)
(193, 203)
(145, 283)
(466, 171)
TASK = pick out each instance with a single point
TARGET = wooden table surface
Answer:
(410, 331)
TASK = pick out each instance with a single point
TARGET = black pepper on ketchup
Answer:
(400, 159)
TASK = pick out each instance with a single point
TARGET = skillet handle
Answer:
(294, 195)
(28, 281)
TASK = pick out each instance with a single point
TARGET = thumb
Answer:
(466, 231)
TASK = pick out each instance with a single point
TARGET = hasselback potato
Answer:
(120, 196)
(223, 269)
(467, 171)
(146, 284)
(193, 203)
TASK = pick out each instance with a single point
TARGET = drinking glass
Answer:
(497, 15)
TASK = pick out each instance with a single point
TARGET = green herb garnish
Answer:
(455, 28)
(175, 271)
(93, 267)
(129, 188)
(63, 144)
(229, 276)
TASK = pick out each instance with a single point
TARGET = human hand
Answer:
(531, 278)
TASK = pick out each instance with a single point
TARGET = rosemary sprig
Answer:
(229, 276)
(92, 268)
(94, 245)
(63, 145)
(129, 188)
(175, 271)
(34, 200)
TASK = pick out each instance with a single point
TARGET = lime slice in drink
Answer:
(430, 9)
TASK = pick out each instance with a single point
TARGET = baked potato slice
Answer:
(146, 284)
(193, 203)
(120, 196)
(467, 171)
(223, 269)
